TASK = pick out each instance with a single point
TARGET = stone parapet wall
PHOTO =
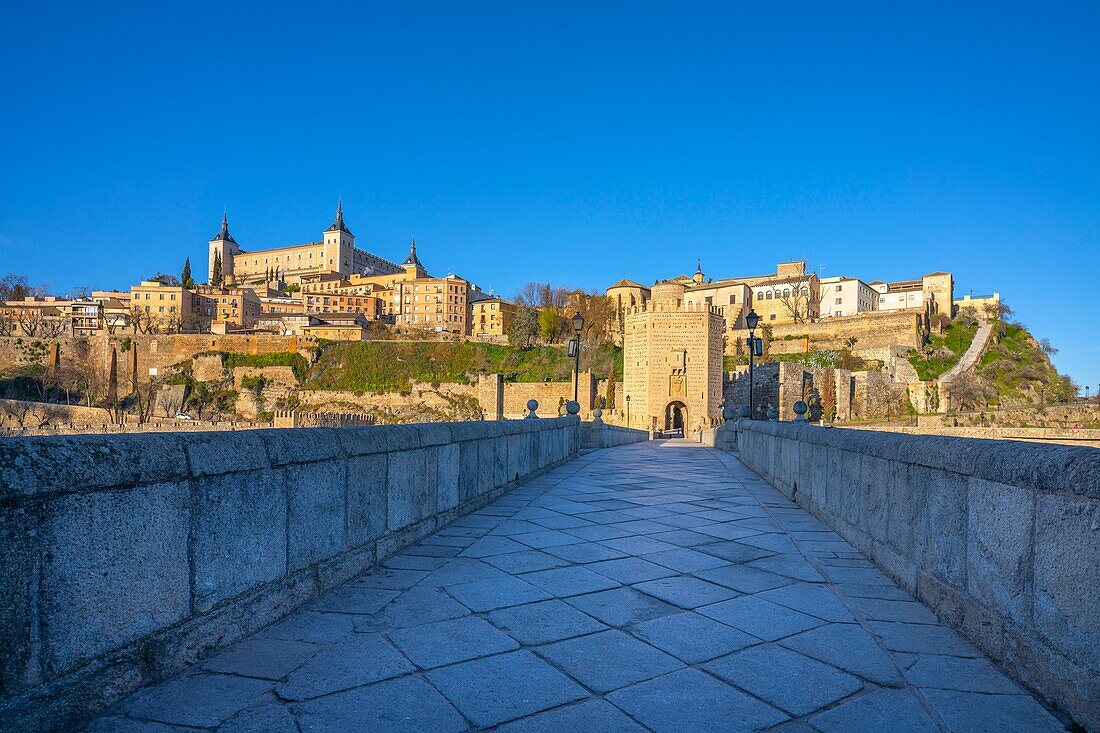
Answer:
(1000, 538)
(1066, 436)
(601, 435)
(125, 558)
(549, 395)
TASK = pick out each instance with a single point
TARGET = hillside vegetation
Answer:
(393, 366)
(943, 352)
(1016, 370)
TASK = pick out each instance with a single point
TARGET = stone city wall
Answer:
(1064, 436)
(1000, 538)
(549, 395)
(125, 558)
(1052, 416)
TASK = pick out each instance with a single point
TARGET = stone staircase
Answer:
(971, 355)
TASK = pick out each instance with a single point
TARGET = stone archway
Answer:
(676, 417)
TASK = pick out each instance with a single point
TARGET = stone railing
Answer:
(125, 558)
(598, 434)
(1000, 538)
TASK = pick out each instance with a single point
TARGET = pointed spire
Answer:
(412, 258)
(699, 264)
(338, 225)
(224, 235)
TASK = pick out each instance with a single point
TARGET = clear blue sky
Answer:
(569, 142)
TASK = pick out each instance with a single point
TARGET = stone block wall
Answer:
(126, 558)
(549, 395)
(1000, 538)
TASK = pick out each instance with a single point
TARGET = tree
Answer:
(525, 327)
(796, 301)
(30, 320)
(1047, 348)
(216, 272)
(166, 279)
(967, 392)
(14, 287)
(185, 276)
(80, 292)
(549, 323)
(7, 324)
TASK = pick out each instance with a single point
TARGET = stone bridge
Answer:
(493, 576)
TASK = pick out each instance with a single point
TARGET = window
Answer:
(733, 299)
(771, 317)
(838, 288)
(787, 293)
(839, 301)
(768, 295)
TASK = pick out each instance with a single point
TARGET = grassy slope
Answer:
(1017, 370)
(376, 366)
(946, 351)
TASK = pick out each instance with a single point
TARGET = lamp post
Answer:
(628, 411)
(578, 324)
(751, 320)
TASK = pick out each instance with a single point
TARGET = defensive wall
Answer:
(871, 330)
(1000, 538)
(126, 558)
(1064, 436)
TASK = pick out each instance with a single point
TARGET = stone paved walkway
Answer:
(660, 586)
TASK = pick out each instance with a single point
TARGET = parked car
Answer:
(182, 416)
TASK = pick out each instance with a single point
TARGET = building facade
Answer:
(846, 296)
(335, 253)
(491, 317)
(672, 363)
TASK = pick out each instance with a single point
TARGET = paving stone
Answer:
(847, 647)
(561, 522)
(597, 532)
(608, 660)
(621, 606)
(815, 599)
(572, 581)
(359, 660)
(686, 592)
(923, 639)
(792, 566)
(591, 715)
(203, 700)
(545, 621)
(413, 562)
(683, 537)
(685, 560)
(638, 545)
(725, 531)
(310, 626)
(119, 724)
(909, 612)
(270, 659)
(406, 705)
(493, 545)
(504, 687)
(735, 551)
(630, 570)
(688, 700)
(969, 712)
(461, 570)
(744, 579)
(354, 599)
(447, 642)
(547, 538)
(273, 717)
(760, 618)
(418, 605)
(486, 595)
(390, 578)
(959, 673)
(790, 681)
(585, 552)
(875, 712)
(691, 637)
(527, 561)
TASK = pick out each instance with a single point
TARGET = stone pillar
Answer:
(490, 396)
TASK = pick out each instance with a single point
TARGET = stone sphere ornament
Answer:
(532, 407)
(573, 407)
(800, 409)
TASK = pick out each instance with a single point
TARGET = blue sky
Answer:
(570, 142)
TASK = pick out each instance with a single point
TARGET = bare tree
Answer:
(795, 298)
(169, 401)
(30, 320)
(52, 327)
(7, 324)
(967, 392)
(884, 398)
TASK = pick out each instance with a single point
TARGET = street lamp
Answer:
(628, 411)
(578, 324)
(751, 320)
